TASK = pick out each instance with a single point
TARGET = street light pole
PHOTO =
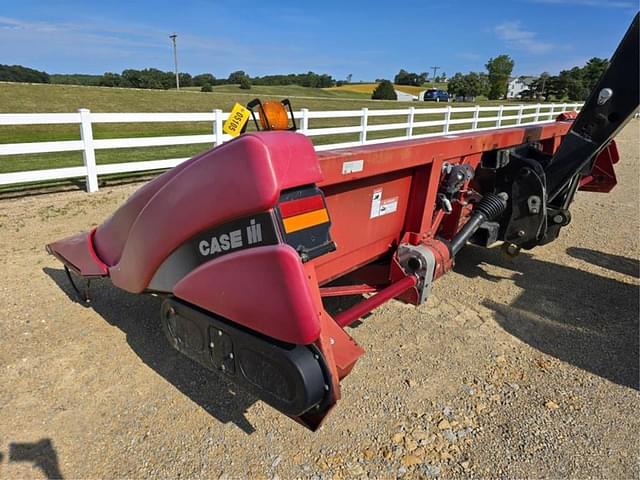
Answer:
(175, 59)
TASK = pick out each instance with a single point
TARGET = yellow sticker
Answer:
(236, 121)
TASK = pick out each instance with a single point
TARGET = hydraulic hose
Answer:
(490, 207)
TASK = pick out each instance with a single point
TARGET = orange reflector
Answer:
(305, 220)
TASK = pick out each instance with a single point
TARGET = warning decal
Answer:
(381, 207)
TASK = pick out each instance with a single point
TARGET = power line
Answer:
(435, 69)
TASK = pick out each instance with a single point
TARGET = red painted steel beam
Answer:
(352, 314)
(341, 290)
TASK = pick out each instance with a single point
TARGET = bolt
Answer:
(558, 218)
(223, 368)
(231, 356)
(604, 95)
(326, 388)
(521, 233)
(171, 311)
(211, 345)
(316, 356)
(219, 333)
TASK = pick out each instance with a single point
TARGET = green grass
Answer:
(25, 98)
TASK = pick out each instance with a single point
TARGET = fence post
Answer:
(447, 119)
(476, 114)
(363, 124)
(217, 126)
(412, 113)
(304, 121)
(537, 117)
(499, 121)
(519, 120)
(564, 108)
(88, 153)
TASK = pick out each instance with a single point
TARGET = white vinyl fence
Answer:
(501, 116)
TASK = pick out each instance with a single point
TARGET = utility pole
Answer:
(435, 69)
(175, 59)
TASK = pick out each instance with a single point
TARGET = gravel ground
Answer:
(524, 367)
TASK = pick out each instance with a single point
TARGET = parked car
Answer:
(435, 95)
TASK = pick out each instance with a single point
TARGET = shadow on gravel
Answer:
(624, 265)
(40, 454)
(579, 317)
(138, 316)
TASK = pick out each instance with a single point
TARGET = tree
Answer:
(574, 80)
(539, 88)
(206, 88)
(456, 85)
(477, 84)
(245, 84)
(472, 84)
(203, 79)
(409, 78)
(18, 73)
(499, 69)
(110, 79)
(185, 79)
(236, 77)
(384, 91)
(349, 77)
(592, 71)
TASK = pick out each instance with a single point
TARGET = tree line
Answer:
(574, 84)
(153, 78)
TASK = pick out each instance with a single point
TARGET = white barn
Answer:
(405, 97)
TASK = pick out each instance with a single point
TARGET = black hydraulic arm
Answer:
(541, 187)
(611, 104)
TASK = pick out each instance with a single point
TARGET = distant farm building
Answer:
(517, 85)
(405, 97)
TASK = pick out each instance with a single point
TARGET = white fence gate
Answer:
(474, 116)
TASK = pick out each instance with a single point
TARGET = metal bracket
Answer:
(418, 260)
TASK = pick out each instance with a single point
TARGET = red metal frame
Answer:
(411, 171)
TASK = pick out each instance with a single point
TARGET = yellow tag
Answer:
(236, 121)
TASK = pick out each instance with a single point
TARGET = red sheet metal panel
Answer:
(242, 177)
(234, 286)
(367, 219)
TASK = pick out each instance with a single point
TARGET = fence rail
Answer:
(501, 117)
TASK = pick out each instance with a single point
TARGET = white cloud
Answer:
(517, 37)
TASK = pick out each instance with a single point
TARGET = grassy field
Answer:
(368, 88)
(16, 98)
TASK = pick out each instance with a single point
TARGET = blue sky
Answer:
(369, 39)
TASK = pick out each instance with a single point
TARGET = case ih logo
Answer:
(231, 240)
